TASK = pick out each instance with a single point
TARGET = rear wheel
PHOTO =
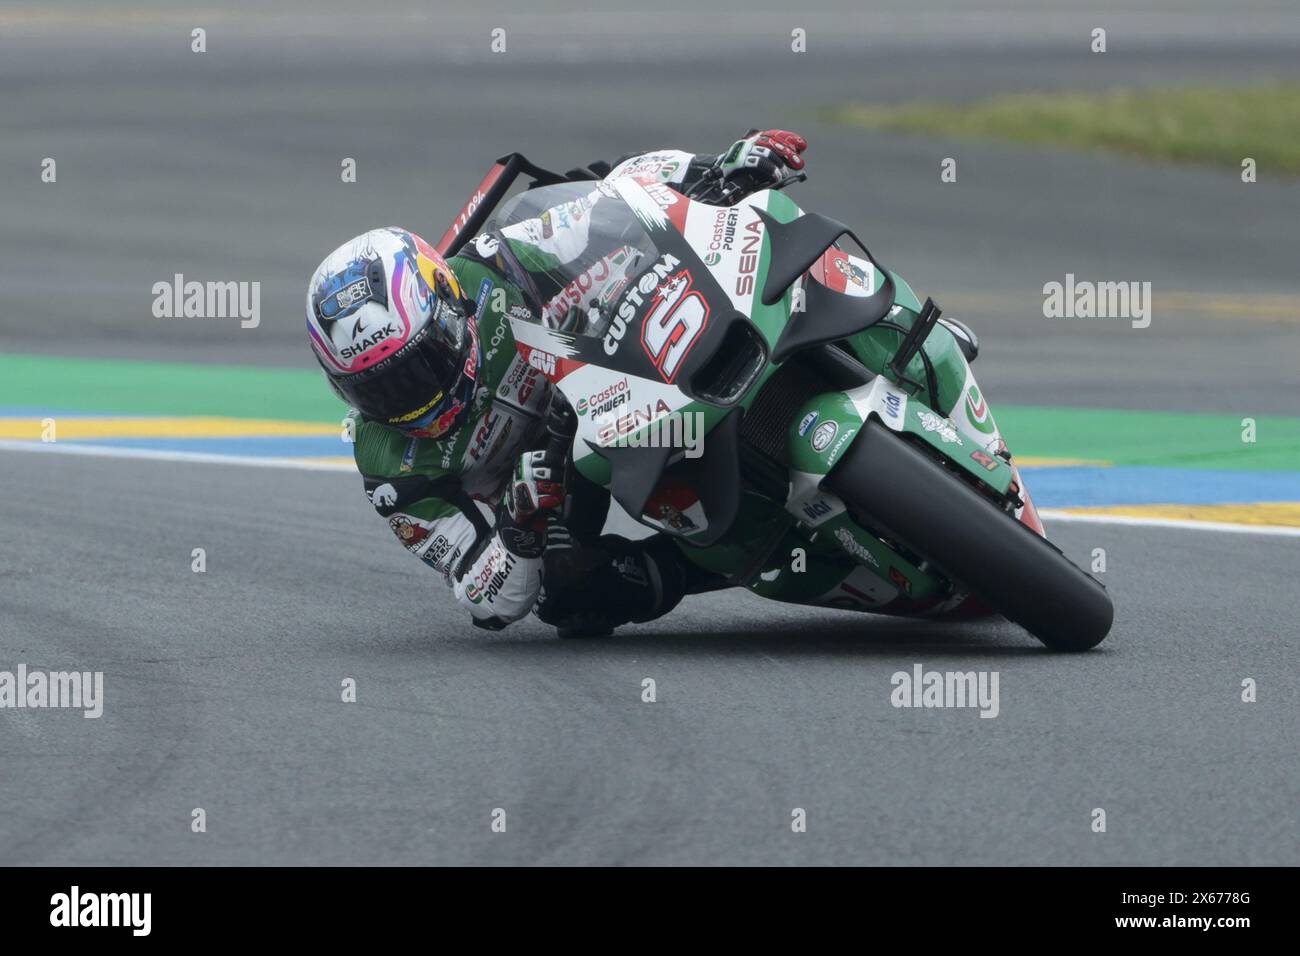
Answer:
(903, 493)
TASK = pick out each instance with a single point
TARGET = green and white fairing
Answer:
(660, 334)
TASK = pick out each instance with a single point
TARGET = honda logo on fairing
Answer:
(635, 297)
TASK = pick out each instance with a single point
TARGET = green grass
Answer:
(1214, 125)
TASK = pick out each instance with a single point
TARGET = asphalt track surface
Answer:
(223, 688)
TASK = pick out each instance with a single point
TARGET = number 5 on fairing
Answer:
(675, 320)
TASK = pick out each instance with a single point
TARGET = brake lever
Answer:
(710, 180)
(726, 189)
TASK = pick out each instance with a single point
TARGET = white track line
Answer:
(299, 464)
(1065, 516)
(153, 454)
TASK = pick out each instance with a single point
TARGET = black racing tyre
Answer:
(897, 489)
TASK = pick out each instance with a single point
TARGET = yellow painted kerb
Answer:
(35, 429)
(1278, 513)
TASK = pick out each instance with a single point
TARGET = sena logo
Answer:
(751, 244)
(610, 432)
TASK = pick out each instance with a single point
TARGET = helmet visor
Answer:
(420, 382)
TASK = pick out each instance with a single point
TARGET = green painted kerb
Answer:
(111, 387)
(1169, 439)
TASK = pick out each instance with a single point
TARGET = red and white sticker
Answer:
(841, 272)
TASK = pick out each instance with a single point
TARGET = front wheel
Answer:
(895, 488)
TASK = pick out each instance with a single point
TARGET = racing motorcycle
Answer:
(848, 458)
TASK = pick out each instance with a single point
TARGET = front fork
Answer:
(827, 425)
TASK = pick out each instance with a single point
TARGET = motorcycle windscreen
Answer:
(629, 324)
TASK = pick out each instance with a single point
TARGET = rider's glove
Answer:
(536, 489)
(537, 485)
(761, 159)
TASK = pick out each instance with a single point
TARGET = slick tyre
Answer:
(896, 488)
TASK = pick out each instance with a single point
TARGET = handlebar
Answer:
(561, 426)
(713, 189)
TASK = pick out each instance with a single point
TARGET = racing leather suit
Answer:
(441, 496)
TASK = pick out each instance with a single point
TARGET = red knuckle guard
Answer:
(786, 144)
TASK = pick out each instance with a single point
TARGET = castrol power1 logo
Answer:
(722, 235)
(601, 403)
(730, 242)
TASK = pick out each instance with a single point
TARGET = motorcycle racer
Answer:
(450, 422)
